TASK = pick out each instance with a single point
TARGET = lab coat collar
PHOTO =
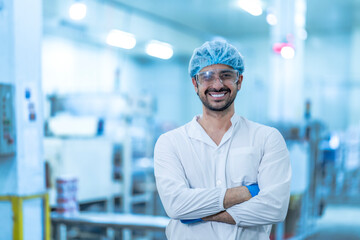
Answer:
(196, 131)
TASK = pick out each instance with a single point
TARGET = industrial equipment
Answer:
(106, 141)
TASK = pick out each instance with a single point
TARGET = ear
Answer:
(195, 84)
(240, 82)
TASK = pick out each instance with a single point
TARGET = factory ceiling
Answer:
(186, 24)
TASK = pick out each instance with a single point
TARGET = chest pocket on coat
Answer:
(243, 164)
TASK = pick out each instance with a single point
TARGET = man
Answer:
(209, 171)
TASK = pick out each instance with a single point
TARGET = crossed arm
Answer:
(233, 205)
(232, 197)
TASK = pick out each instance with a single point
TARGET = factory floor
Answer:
(339, 222)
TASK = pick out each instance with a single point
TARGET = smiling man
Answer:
(221, 176)
(218, 91)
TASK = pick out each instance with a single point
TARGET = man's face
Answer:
(217, 96)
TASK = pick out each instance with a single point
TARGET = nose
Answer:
(218, 82)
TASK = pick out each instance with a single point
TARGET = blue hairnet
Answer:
(215, 52)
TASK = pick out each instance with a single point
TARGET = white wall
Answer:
(252, 99)
(327, 80)
(73, 67)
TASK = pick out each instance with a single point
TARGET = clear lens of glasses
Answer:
(225, 75)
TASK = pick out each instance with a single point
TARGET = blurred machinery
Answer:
(106, 141)
(306, 197)
(344, 148)
(326, 167)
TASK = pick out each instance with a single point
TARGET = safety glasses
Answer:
(224, 75)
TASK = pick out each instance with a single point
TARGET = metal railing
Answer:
(18, 218)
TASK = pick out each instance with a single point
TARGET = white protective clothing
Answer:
(192, 175)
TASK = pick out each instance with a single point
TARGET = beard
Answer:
(218, 107)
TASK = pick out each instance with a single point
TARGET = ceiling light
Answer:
(159, 49)
(251, 6)
(121, 39)
(77, 11)
(271, 19)
(287, 52)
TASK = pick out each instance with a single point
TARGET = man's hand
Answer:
(240, 194)
(232, 197)
(223, 217)
(235, 196)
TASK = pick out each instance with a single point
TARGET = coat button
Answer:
(218, 182)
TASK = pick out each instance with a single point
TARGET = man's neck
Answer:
(216, 124)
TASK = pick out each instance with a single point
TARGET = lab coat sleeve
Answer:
(274, 176)
(179, 200)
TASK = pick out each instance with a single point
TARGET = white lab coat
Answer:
(192, 175)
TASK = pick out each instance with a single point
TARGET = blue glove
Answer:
(189, 221)
(253, 189)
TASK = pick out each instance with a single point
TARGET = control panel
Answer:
(7, 120)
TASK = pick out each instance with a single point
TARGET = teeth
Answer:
(217, 95)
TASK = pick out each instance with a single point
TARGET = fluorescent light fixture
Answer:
(77, 11)
(287, 52)
(251, 6)
(159, 49)
(121, 39)
(271, 19)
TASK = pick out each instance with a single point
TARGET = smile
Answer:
(217, 95)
